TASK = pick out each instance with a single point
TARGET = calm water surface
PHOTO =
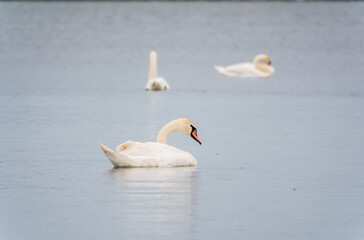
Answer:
(281, 158)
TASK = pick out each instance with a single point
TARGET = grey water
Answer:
(281, 158)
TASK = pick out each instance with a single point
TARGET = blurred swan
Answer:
(155, 154)
(260, 68)
(155, 83)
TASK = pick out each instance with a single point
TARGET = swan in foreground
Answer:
(155, 154)
(261, 67)
(155, 83)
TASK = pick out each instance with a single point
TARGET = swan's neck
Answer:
(262, 67)
(153, 65)
(167, 129)
(265, 68)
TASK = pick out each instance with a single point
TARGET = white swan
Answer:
(260, 68)
(155, 83)
(155, 154)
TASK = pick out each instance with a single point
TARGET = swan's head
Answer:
(264, 64)
(153, 54)
(262, 58)
(182, 125)
(188, 128)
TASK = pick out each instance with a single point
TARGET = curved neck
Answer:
(153, 65)
(166, 130)
(262, 67)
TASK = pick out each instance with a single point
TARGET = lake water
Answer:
(281, 158)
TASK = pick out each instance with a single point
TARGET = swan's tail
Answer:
(220, 69)
(109, 153)
(106, 149)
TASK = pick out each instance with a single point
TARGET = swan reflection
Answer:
(157, 194)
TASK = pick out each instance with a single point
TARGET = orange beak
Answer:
(194, 136)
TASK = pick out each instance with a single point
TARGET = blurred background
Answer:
(281, 158)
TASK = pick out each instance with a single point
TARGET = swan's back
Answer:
(150, 149)
(153, 154)
(157, 84)
(243, 70)
(237, 70)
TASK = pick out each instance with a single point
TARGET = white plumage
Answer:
(155, 154)
(260, 68)
(155, 83)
